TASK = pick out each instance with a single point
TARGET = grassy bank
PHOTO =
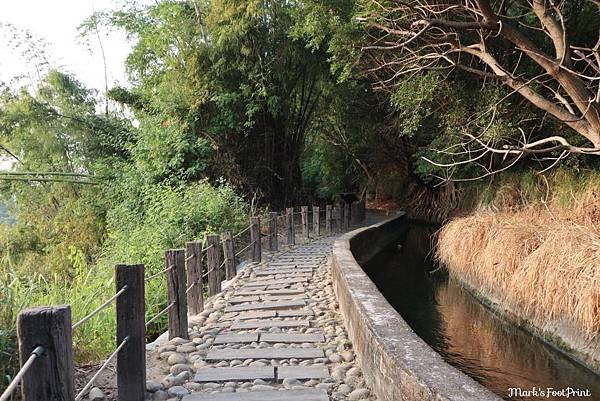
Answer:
(534, 246)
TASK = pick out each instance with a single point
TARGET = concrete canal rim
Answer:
(396, 362)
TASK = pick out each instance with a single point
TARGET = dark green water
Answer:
(467, 335)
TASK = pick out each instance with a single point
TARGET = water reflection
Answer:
(468, 335)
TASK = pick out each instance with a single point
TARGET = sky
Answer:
(55, 22)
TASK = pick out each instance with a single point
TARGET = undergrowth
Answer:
(171, 216)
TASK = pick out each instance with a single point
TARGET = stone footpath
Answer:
(273, 334)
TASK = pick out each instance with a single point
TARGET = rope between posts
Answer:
(159, 273)
(36, 353)
(190, 287)
(159, 314)
(244, 249)
(98, 309)
(241, 232)
(104, 365)
(206, 274)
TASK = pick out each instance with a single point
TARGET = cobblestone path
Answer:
(274, 333)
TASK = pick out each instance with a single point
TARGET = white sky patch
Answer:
(56, 23)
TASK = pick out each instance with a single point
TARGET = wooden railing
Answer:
(45, 333)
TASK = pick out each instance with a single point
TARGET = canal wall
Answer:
(396, 362)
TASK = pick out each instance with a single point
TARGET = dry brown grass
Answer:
(542, 259)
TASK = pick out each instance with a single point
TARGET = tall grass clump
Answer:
(540, 258)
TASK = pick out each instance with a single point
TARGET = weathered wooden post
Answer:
(255, 239)
(273, 240)
(131, 310)
(213, 260)
(176, 286)
(304, 216)
(291, 230)
(50, 377)
(228, 255)
(363, 210)
(354, 213)
(328, 217)
(316, 210)
(337, 218)
(193, 259)
(346, 217)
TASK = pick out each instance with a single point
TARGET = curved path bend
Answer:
(274, 333)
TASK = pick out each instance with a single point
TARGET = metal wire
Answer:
(159, 314)
(159, 273)
(104, 365)
(98, 309)
(36, 353)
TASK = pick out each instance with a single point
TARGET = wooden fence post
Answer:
(304, 215)
(291, 230)
(193, 259)
(316, 210)
(363, 210)
(346, 217)
(176, 285)
(273, 240)
(228, 255)
(255, 239)
(354, 213)
(51, 375)
(213, 257)
(328, 216)
(337, 217)
(131, 311)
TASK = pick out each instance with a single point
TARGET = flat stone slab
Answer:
(294, 313)
(286, 276)
(236, 338)
(287, 291)
(262, 324)
(252, 288)
(264, 353)
(241, 300)
(302, 372)
(265, 305)
(251, 315)
(309, 394)
(299, 270)
(257, 315)
(292, 280)
(294, 265)
(283, 297)
(234, 374)
(292, 338)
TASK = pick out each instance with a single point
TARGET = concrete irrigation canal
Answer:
(357, 317)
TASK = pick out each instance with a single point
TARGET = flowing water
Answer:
(468, 335)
